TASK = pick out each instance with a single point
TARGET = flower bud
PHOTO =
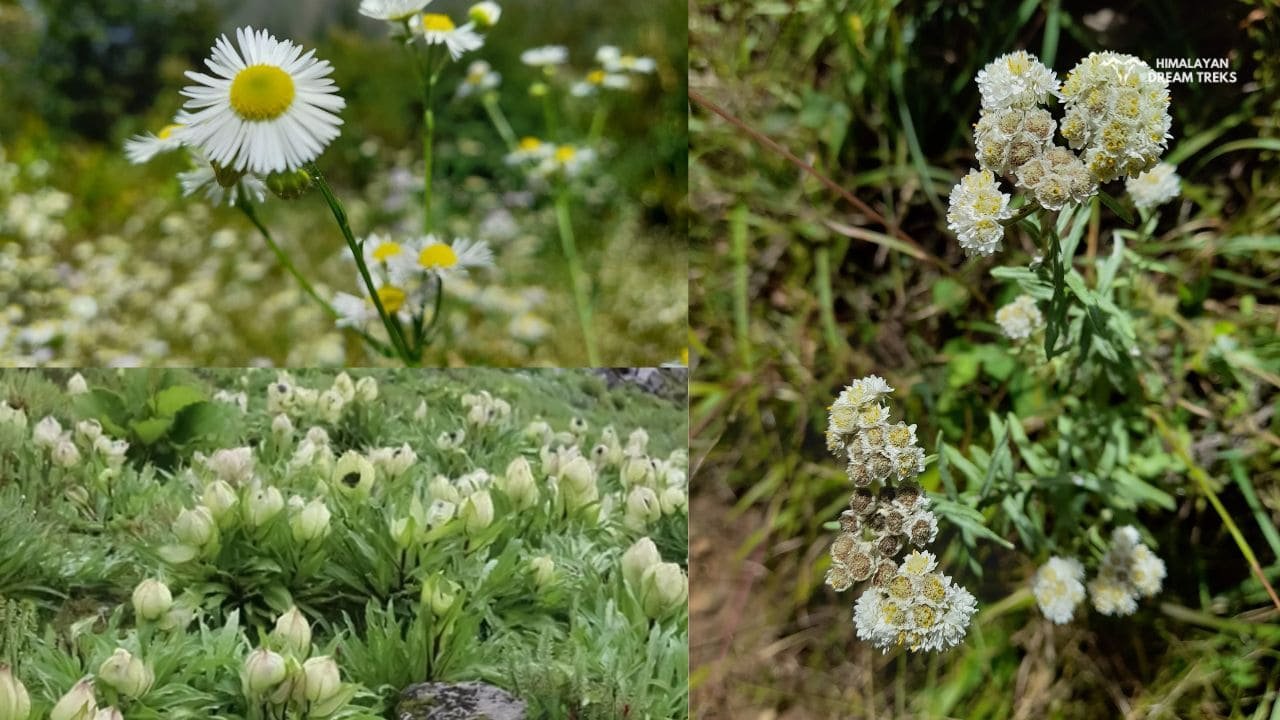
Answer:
(289, 184)
(440, 593)
(112, 451)
(345, 386)
(323, 681)
(643, 507)
(15, 703)
(65, 453)
(477, 511)
(663, 588)
(538, 431)
(485, 14)
(440, 512)
(421, 412)
(293, 633)
(538, 89)
(311, 523)
(47, 432)
(367, 389)
(232, 465)
(637, 559)
(577, 475)
(331, 405)
(637, 470)
(126, 673)
(520, 485)
(282, 427)
(403, 531)
(227, 177)
(77, 385)
(151, 600)
(263, 672)
(264, 504)
(544, 570)
(441, 489)
(220, 499)
(77, 704)
(195, 527)
(673, 500)
(90, 430)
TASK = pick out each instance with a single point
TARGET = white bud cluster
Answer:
(1020, 318)
(1055, 178)
(907, 604)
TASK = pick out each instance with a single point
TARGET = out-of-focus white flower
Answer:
(1128, 570)
(485, 14)
(1020, 318)
(354, 474)
(220, 499)
(311, 522)
(1059, 587)
(47, 432)
(77, 385)
(643, 507)
(233, 465)
(64, 453)
(367, 389)
(480, 77)
(392, 10)
(1117, 114)
(439, 29)
(664, 588)
(1056, 177)
(976, 208)
(268, 107)
(477, 511)
(615, 61)
(545, 56)
(1017, 79)
(1154, 187)
(141, 148)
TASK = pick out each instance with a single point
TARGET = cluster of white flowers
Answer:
(64, 446)
(1129, 571)
(1117, 114)
(408, 276)
(543, 161)
(484, 409)
(1020, 318)
(408, 17)
(915, 607)
(1116, 118)
(975, 210)
(908, 604)
(1059, 587)
(287, 398)
(479, 79)
(615, 72)
(661, 587)
(1154, 187)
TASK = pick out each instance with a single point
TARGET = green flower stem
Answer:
(1025, 212)
(429, 137)
(340, 215)
(247, 207)
(581, 300)
(499, 120)
(430, 332)
(597, 122)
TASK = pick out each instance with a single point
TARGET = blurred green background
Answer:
(79, 78)
(794, 292)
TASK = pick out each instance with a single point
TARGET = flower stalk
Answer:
(581, 298)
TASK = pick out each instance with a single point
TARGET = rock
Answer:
(458, 701)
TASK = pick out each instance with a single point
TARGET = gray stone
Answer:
(458, 701)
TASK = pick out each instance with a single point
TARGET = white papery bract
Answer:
(976, 208)
(1154, 187)
(267, 107)
(392, 10)
(1059, 587)
(439, 29)
(1016, 80)
(1020, 318)
(1117, 114)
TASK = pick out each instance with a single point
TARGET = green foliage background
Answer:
(794, 292)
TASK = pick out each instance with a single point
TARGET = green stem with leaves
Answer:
(340, 215)
(581, 298)
(246, 206)
(499, 120)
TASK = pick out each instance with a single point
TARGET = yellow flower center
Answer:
(596, 77)
(167, 130)
(627, 61)
(565, 153)
(530, 143)
(392, 298)
(261, 92)
(438, 257)
(386, 251)
(435, 22)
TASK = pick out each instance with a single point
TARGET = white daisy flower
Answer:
(614, 61)
(545, 56)
(1020, 318)
(1058, 587)
(530, 149)
(480, 77)
(598, 79)
(436, 257)
(392, 10)
(202, 179)
(267, 108)
(1156, 186)
(439, 29)
(141, 148)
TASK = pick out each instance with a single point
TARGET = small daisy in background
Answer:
(614, 61)
(392, 10)
(439, 29)
(546, 57)
(480, 78)
(142, 148)
(597, 80)
(267, 107)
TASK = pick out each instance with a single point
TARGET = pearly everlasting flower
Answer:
(545, 56)
(1129, 570)
(976, 208)
(439, 29)
(1117, 114)
(1154, 187)
(1055, 178)
(920, 611)
(392, 10)
(1020, 318)
(1008, 137)
(267, 107)
(1016, 80)
(1058, 587)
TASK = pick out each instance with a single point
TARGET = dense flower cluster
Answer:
(1016, 80)
(1020, 318)
(909, 604)
(1129, 571)
(976, 208)
(1059, 587)
(1117, 114)
(1154, 187)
